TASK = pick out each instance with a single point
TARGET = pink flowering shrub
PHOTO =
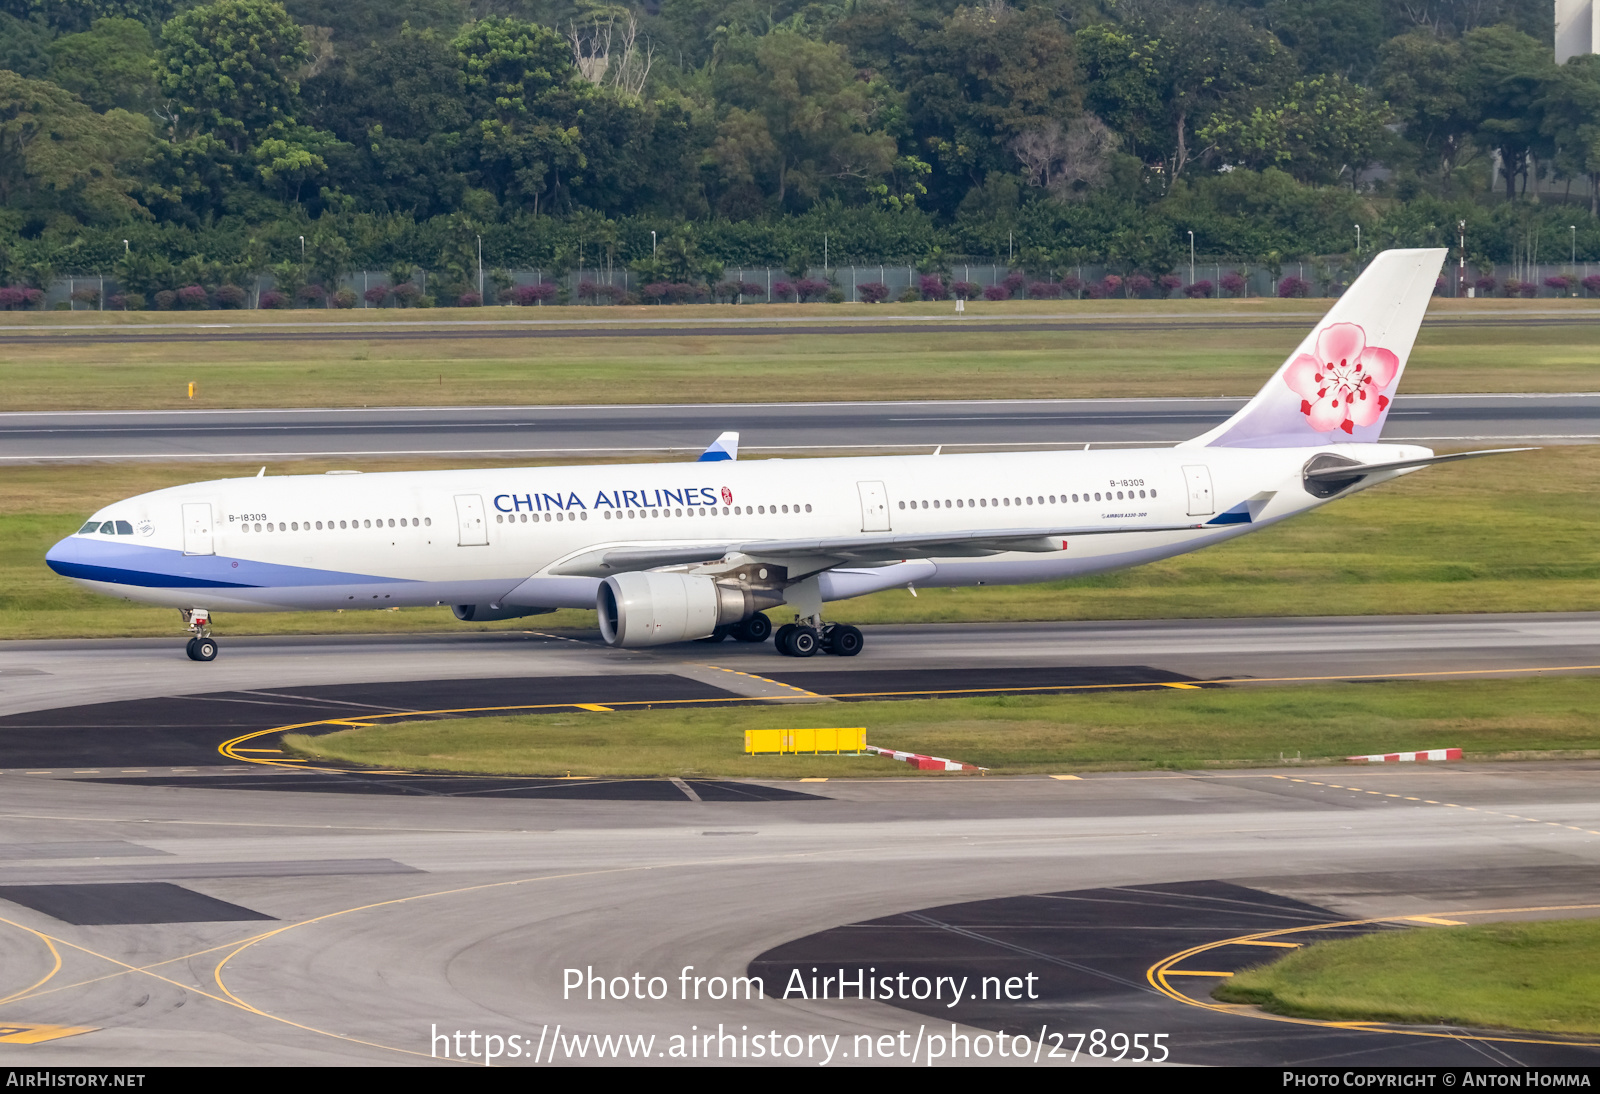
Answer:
(230, 296)
(1592, 283)
(1198, 291)
(1111, 284)
(529, 295)
(1072, 284)
(811, 288)
(1295, 288)
(1233, 284)
(1043, 290)
(1169, 283)
(271, 300)
(872, 292)
(997, 292)
(965, 290)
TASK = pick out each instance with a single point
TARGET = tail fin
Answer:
(1338, 386)
(725, 447)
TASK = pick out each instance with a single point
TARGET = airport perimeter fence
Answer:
(1210, 278)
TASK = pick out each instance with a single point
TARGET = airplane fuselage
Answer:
(501, 536)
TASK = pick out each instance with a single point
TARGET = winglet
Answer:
(725, 447)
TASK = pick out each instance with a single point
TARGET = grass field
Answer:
(943, 363)
(1517, 533)
(1163, 728)
(1529, 976)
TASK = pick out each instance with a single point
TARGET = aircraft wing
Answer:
(837, 550)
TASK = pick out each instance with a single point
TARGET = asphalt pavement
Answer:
(764, 428)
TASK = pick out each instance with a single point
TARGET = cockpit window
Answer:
(92, 526)
(124, 528)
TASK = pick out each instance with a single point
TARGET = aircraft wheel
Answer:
(758, 628)
(845, 641)
(804, 642)
(202, 649)
(780, 639)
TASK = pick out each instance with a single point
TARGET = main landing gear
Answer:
(803, 639)
(758, 628)
(202, 647)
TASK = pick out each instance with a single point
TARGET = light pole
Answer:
(480, 271)
(1461, 267)
(1573, 228)
(1358, 241)
(125, 247)
(652, 243)
(1191, 256)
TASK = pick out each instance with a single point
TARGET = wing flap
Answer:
(859, 548)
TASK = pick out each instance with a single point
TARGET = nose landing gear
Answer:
(202, 647)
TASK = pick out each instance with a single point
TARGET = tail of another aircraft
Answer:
(1339, 384)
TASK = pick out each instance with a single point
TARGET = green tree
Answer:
(1425, 80)
(1328, 36)
(57, 154)
(24, 46)
(228, 69)
(1571, 120)
(107, 65)
(522, 152)
(1326, 128)
(1161, 79)
(1508, 72)
(798, 120)
(73, 16)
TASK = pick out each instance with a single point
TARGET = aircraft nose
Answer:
(61, 556)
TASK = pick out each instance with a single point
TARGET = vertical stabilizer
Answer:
(1339, 384)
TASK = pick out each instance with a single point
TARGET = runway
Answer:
(390, 327)
(212, 907)
(771, 429)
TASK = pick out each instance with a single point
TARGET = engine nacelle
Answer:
(488, 613)
(652, 609)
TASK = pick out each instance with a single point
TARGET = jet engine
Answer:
(489, 613)
(652, 609)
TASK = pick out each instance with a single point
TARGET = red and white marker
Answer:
(924, 763)
(1408, 757)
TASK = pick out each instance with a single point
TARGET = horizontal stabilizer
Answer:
(1339, 472)
(725, 447)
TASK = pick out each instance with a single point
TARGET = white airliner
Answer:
(676, 552)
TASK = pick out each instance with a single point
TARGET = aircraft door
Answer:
(874, 507)
(1201, 502)
(470, 518)
(197, 535)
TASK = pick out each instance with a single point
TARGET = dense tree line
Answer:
(181, 143)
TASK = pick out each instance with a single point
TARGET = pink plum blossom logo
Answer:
(1340, 388)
